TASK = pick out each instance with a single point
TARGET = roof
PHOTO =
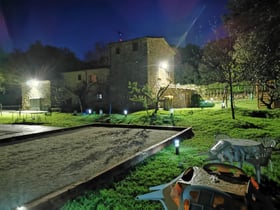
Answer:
(88, 70)
(136, 39)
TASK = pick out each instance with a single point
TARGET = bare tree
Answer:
(81, 91)
(98, 55)
(269, 92)
(218, 56)
(147, 97)
(255, 24)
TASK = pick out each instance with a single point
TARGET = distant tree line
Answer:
(45, 62)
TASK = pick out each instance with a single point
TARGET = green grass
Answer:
(250, 123)
(165, 166)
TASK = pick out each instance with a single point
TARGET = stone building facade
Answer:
(148, 60)
(92, 82)
(179, 96)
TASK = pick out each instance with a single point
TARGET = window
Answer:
(79, 77)
(135, 46)
(118, 50)
(92, 78)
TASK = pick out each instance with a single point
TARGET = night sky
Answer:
(79, 24)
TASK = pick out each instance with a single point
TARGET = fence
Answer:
(9, 107)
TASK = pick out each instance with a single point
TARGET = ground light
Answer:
(32, 83)
(177, 145)
(172, 115)
(125, 112)
(89, 111)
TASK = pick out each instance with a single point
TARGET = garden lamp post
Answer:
(177, 145)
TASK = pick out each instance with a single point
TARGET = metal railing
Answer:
(10, 107)
(4, 108)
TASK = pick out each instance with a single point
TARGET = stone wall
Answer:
(160, 63)
(139, 61)
(97, 91)
(181, 98)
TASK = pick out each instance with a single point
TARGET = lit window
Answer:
(92, 78)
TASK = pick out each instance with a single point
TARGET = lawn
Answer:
(249, 123)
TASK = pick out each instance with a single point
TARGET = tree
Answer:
(158, 97)
(259, 73)
(142, 95)
(188, 60)
(2, 88)
(147, 97)
(98, 55)
(217, 55)
(3, 57)
(81, 91)
(39, 61)
(269, 92)
(85, 89)
(256, 26)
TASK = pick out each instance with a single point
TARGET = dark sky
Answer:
(79, 24)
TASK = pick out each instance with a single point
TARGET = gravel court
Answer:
(32, 169)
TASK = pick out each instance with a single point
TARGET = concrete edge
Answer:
(57, 199)
(15, 139)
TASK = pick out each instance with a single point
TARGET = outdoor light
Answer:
(163, 65)
(171, 111)
(32, 83)
(21, 208)
(177, 144)
(125, 112)
(89, 111)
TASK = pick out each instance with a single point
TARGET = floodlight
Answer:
(32, 83)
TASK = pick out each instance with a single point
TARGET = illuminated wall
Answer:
(36, 95)
(148, 60)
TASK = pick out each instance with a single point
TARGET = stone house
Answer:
(94, 85)
(147, 60)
